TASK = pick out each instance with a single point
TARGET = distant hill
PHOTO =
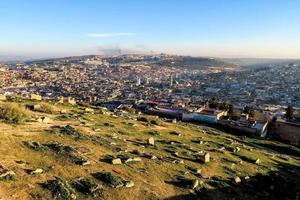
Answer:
(261, 62)
(155, 60)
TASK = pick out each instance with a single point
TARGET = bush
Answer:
(47, 108)
(13, 113)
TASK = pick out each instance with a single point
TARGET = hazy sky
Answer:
(223, 28)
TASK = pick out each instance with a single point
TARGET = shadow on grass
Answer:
(283, 184)
(283, 149)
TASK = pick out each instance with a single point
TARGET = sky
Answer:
(218, 28)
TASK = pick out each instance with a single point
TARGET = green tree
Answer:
(289, 112)
(246, 110)
(230, 109)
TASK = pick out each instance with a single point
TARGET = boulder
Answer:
(87, 186)
(137, 159)
(257, 161)
(37, 171)
(129, 184)
(205, 158)
(194, 184)
(237, 179)
(151, 141)
(110, 179)
(116, 161)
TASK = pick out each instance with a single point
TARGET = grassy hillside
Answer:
(48, 156)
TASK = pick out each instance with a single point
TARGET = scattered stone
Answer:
(236, 149)
(137, 159)
(37, 171)
(35, 145)
(110, 179)
(109, 124)
(195, 184)
(205, 158)
(137, 152)
(187, 183)
(6, 174)
(69, 151)
(67, 130)
(175, 133)
(129, 184)
(195, 170)
(151, 141)
(60, 189)
(257, 161)
(89, 110)
(116, 161)
(87, 186)
(237, 179)
(21, 162)
(181, 161)
(176, 154)
(45, 120)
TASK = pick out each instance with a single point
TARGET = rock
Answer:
(84, 163)
(46, 120)
(247, 178)
(129, 184)
(257, 161)
(35, 145)
(153, 157)
(205, 158)
(187, 183)
(151, 141)
(137, 152)
(236, 149)
(110, 179)
(89, 110)
(195, 184)
(237, 179)
(6, 174)
(137, 159)
(72, 153)
(60, 189)
(181, 161)
(198, 171)
(87, 186)
(176, 154)
(116, 161)
(37, 171)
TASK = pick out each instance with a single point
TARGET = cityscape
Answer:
(99, 117)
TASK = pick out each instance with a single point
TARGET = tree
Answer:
(289, 112)
(230, 109)
(246, 110)
(249, 110)
(213, 103)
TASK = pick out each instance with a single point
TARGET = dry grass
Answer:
(146, 184)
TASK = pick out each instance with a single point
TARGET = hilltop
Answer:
(63, 151)
(163, 60)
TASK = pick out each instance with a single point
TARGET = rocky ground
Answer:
(79, 152)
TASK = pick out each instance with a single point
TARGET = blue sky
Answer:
(222, 28)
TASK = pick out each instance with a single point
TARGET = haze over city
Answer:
(218, 28)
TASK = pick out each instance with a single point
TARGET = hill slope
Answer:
(48, 158)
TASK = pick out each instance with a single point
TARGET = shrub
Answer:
(47, 108)
(13, 113)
